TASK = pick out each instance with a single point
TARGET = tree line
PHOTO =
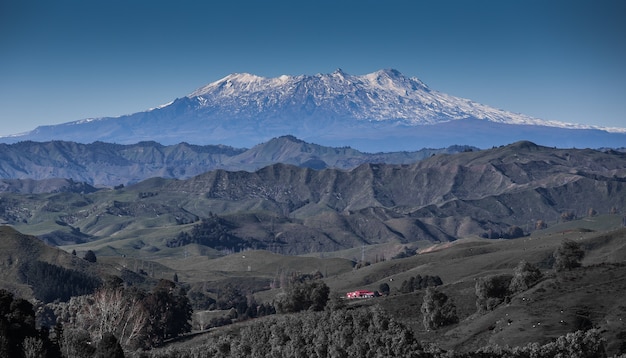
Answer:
(51, 282)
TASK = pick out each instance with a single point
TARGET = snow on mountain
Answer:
(379, 111)
(379, 96)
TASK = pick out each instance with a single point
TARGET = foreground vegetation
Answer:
(334, 332)
(557, 292)
(307, 319)
(360, 333)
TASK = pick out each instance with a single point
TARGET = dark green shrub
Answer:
(491, 291)
(568, 256)
(524, 276)
(438, 310)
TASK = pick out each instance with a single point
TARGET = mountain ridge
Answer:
(108, 164)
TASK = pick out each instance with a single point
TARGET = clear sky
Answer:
(65, 60)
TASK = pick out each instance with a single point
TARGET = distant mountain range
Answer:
(501, 192)
(106, 164)
(380, 111)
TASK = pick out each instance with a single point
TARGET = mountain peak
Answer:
(236, 82)
(339, 72)
(389, 72)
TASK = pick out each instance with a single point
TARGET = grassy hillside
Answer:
(590, 296)
(29, 265)
(561, 302)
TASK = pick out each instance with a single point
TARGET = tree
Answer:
(418, 283)
(200, 300)
(169, 312)
(90, 256)
(18, 334)
(514, 232)
(540, 225)
(491, 291)
(114, 310)
(109, 347)
(76, 343)
(438, 309)
(336, 302)
(568, 256)
(384, 288)
(407, 286)
(33, 347)
(567, 216)
(312, 295)
(230, 296)
(524, 276)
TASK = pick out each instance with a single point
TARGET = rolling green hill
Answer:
(499, 193)
(560, 303)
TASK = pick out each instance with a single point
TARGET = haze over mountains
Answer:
(380, 111)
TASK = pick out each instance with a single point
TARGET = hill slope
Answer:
(28, 265)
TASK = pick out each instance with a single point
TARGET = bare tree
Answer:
(112, 310)
(32, 347)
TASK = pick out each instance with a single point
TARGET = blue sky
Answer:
(66, 60)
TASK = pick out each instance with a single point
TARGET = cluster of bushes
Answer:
(340, 333)
(242, 306)
(492, 290)
(303, 294)
(362, 332)
(404, 254)
(18, 335)
(512, 232)
(213, 232)
(306, 296)
(577, 344)
(420, 282)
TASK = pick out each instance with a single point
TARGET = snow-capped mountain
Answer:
(385, 95)
(384, 110)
